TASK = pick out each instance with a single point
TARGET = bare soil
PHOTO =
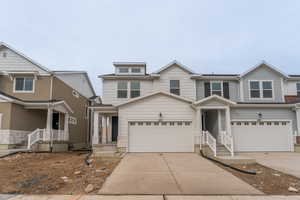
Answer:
(267, 180)
(53, 173)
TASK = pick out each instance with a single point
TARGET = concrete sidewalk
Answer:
(142, 197)
(172, 174)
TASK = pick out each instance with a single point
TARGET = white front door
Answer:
(173, 136)
(262, 136)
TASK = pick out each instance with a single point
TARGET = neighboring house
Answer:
(175, 109)
(41, 103)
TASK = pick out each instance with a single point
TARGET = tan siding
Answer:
(5, 109)
(78, 133)
(41, 92)
(27, 120)
(187, 85)
(149, 109)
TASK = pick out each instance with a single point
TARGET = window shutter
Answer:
(226, 90)
(207, 89)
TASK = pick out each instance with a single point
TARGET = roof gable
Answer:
(264, 64)
(155, 94)
(22, 56)
(175, 63)
(213, 100)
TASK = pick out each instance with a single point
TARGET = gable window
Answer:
(261, 89)
(254, 89)
(135, 89)
(267, 89)
(298, 89)
(123, 70)
(23, 84)
(122, 89)
(216, 88)
(136, 70)
(175, 87)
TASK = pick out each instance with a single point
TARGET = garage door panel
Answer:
(161, 137)
(262, 136)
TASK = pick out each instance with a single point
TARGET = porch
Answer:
(104, 130)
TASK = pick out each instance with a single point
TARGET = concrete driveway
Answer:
(172, 173)
(286, 162)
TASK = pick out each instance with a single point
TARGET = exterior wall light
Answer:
(160, 117)
(259, 116)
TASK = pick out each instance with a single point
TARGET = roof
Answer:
(129, 63)
(292, 99)
(263, 63)
(2, 44)
(175, 62)
(78, 72)
(154, 94)
(217, 97)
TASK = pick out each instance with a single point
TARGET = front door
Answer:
(115, 128)
(55, 120)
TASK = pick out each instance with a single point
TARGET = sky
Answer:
(208, 36)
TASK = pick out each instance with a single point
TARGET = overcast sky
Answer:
(220, 36)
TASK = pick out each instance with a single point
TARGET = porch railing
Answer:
(46, 136)
(210, 141)
(227, 141)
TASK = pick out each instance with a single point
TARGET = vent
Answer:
(75, 94)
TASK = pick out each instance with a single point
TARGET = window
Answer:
(136, 70)
(123, 70)
(122, 89)
(298, 89)
(216, 88)
(261, 89)
(254, 89)
(135, 89)
(267, 89)
(23, 84)
(175, 87)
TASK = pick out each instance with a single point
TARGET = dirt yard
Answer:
(53, 173)
(267, 180)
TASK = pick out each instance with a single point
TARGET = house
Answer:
(38, 105)
(177, 110)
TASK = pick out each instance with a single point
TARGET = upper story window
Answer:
(298, 89)
(135, 70)
(122, 89)
(261, 89)
(216, 88)
(123, 70)
(24, 84)
(135, 89)
(175, 87)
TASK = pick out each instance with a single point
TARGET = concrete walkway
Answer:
(142, 197)
(172, 173)
(286, 162)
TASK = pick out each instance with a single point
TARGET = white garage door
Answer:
(262, 136)
(161, 136)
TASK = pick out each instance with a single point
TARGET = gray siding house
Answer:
(178, 110)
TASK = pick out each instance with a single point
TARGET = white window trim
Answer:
(222, 90)
(131, 70)
(128, 68)
(23, 91)
(128, 89)
(261, 90)
(134, 89)
(175, 79)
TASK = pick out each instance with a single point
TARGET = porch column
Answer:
(199, 126)
(228, 121)
(219, 121)
(109, 129)
(66, 127)
(47, 134)
(298, 120)
(104, 129)
(96, 128)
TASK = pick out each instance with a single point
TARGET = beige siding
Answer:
(110, 91)
(27, 120)
(13, 61)
(5, 109)
(41, 91)
(149, 109)
(187, 85)
(78, 132)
